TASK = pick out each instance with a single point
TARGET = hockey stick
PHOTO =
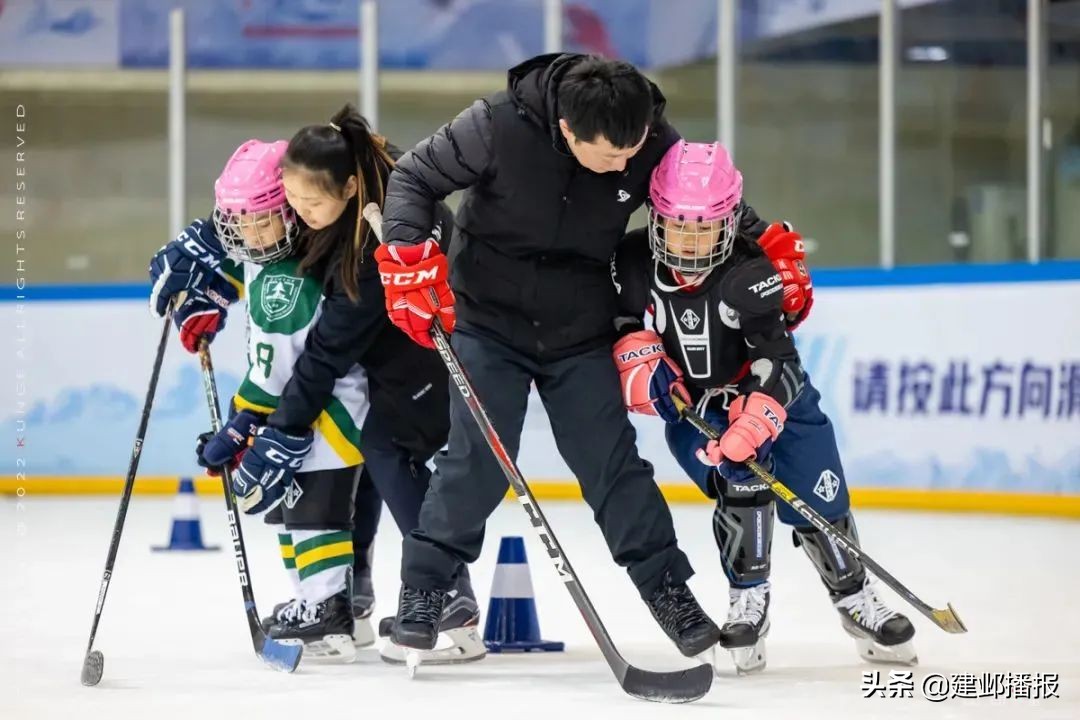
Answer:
(675, 687)
(94, 662)
(946, 619)
(275, 654)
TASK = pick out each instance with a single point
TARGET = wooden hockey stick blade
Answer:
(948, 620)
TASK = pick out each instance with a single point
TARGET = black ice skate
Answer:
(458, 640)
(747, 626)
(881, 634)
(416, 625)
(677, 612)
(325, 629)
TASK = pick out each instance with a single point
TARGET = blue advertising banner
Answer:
(414, 34)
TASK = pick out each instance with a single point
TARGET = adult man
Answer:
(552, 169)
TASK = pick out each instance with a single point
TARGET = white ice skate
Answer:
(881, 635)
(746, 628)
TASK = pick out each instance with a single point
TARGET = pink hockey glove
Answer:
(754, 420)
(648, 376)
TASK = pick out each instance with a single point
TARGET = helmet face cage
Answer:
(260, 237)
(687, 257)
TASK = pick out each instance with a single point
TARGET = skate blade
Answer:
(749, 660)
(900, 654)
(336, 648)
(412, 662)
(363, 633)
(455, 646)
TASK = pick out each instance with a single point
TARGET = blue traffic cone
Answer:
(512, 624)
(186, 529)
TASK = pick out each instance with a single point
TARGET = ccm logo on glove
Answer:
(408, 279)
(283, 459)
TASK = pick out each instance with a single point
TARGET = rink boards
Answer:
(953, 388)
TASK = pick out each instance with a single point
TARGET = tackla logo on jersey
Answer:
(828, 484)
(280, 293)
(293, 494)
(765, 288)
(690, 319)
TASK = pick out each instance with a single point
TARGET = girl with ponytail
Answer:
(289, 227)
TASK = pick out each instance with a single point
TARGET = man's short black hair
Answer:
(598, 96)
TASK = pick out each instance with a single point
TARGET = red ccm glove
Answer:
(411, 275)
(787, 252)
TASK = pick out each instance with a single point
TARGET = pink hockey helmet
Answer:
(251, 217)
(694, 207)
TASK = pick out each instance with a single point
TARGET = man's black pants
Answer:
(583, 400)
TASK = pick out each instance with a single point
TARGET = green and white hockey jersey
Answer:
(282, 307)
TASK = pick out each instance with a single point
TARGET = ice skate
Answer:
(747, 627)
(677, 612)
(881, 635)
(458, 638)
(325, 629)
(416, 626)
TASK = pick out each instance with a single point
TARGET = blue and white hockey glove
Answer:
(268, 467)
(190, 263)
(228, 445)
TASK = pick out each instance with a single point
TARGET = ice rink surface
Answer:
(176, 644)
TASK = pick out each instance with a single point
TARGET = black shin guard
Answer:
(841, 574)
(743, 528)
